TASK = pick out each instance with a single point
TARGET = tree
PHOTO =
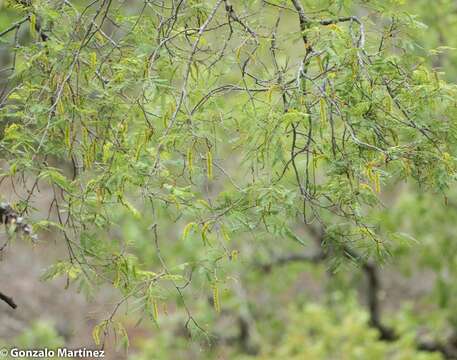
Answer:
(208, 125)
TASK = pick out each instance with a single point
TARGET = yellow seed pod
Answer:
(190, 161)
(187, 230)
(33, 25)
(316, 159)
(88, 158)
(100, 37)
(99, 193)
(203, 203)
(336, 28)
(117, 278)
(253, 58)
(85, 136)
(93, 150)
(319, 63)
(238, 53)
(270, 92)
(369, 171)
(67, 137)
(155, 310)
(204, 231)
(216, 299)
(323, 110)
(388, 102)
(225, 233)
(209, 165)
(437, 79)
(377, 183)
(138, 151)
(93, 60)
(60, 108)
(406, 166)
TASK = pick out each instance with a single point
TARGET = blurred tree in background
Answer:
(253, 177)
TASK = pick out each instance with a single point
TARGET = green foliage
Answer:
(41, 334)
(314, 331)
(340, 332)
(185, 144)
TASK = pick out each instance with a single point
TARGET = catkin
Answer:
(209, 165)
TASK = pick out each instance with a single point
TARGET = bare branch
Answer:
(14, 26)
(8, 300)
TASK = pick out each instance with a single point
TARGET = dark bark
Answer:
(8, 300)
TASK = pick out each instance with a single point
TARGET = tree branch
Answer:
(304, 21)
(287, 259)
(372, 294)
(8, 300)
(14, 26)
(370, 270)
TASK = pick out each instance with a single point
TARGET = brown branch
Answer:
(448, 350)
(233, 16)
(303, 19)
(361, 41)
(17, 24)
(370, 270)
(247, 337)
(39, 30)
(373, 288)
(8, 300)
(287, 259)
(14, 26)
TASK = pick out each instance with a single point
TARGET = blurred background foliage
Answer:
(299, 310)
